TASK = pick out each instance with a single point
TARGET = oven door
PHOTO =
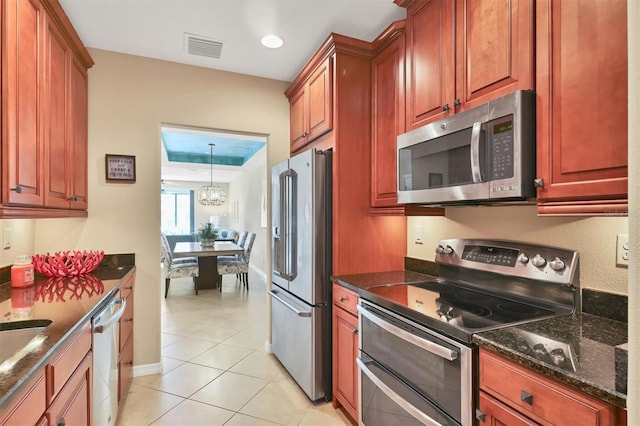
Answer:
(436, 367)
(386, 400)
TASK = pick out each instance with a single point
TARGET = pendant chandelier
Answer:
(211, 195)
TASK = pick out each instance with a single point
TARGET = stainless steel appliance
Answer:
(301, 270)
(418, 364)
(105, 362)
(482, 155)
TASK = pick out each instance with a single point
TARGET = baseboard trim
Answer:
(147, 369)
(267, 347)
(260, 272)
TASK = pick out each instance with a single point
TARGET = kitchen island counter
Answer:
(68, 302)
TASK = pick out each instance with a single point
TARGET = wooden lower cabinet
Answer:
(72, 406)
(29, 407)
(345, 351)
(511, 394)
(125, 359)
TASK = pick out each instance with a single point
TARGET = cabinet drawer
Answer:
(538, 397)
(72, 405)
(63, 366)
(126, 323)
(345, 298)
(125, 370)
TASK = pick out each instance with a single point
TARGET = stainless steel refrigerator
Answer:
(301, 270)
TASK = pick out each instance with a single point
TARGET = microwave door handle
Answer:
(475, 152)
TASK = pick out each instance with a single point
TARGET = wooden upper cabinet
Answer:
(56, 173)
(495, 49)
(581, 84)
(44, 112)
(311, 107)
(22, 109)
(464, 53)
(430, 68)
(387, 110)
(78, 136)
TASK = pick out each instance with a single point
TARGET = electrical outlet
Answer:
(7, 238)
(622, 250)
(418, 235)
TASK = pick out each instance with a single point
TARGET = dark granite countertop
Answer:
(595, 355)
(591, 348)
(358, 282)
(68, 302)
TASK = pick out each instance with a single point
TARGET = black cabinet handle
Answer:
(445, 107)
(480, 415)
(538, 182)
(526, 397)
(61, 422)
(18, 189)
(355, 331)
(342, 299)
(456, 103)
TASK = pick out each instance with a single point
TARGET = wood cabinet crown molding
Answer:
(57, 14)
(388, 36)
(335, 43)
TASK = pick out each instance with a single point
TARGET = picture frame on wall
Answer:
(120, 168)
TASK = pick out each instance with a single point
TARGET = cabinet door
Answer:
(78, 135)
(494, 413)
(56, 164)
(345, 370)
(494, 49)
(297, 124)
(581, 82)
(28, 407)
(387, 121)
(73, 405)
(23, 25)
(430, 61)
(319, 113)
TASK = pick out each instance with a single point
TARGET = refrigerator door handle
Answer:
(289, 200)
(298, 312)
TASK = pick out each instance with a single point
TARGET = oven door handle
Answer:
(404, 404)
(428, 345)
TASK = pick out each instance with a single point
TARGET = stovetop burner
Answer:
(487, 284)
(463, 308)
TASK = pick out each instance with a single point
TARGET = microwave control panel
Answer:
(501, 142)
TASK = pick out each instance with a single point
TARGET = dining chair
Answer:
(240, 265)
(242, 236)
(176, 268)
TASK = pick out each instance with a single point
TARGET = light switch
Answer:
(7, 238)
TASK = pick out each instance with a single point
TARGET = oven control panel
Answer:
(545, 263)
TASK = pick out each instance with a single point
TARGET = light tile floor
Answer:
(215, 368)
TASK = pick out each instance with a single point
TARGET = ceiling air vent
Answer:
(202, 46)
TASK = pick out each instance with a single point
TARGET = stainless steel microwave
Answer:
(483, 155)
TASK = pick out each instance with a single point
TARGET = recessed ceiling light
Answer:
(272, 41)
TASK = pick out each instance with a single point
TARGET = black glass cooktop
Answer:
(459, 307)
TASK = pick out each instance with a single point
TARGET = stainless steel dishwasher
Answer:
(105, 362)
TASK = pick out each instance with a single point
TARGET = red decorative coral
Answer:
(67, 263)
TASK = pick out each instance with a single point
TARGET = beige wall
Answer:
(247, 189)
(594, 238)
(21, 231)
(129, 98)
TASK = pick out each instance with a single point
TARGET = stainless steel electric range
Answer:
(417, 360)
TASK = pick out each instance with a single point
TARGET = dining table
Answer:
(208, 276)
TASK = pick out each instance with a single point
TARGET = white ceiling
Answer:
(156, 28)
